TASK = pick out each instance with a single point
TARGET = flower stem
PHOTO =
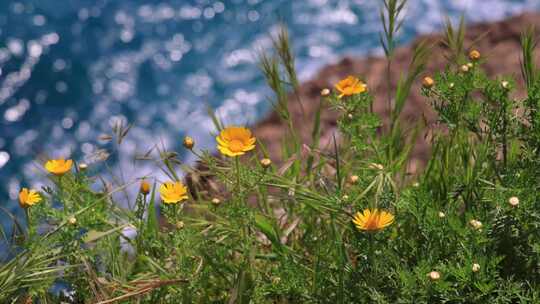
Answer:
(237, 167)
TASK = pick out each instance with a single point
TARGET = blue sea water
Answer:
(70, 69)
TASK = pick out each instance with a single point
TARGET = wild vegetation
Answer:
(345, 223)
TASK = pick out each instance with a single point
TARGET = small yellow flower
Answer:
(173, 192)
(372, 220)
(145, 187)
(474, 55)
(28, 198)
(350, 86)
(58, 166)
(428, 82)
(188, 143)
(235, 141)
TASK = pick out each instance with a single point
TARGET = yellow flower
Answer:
(28, 198)
(58, 166)
(350, 86)
(235, 141)
(372, 220)
(173, 192)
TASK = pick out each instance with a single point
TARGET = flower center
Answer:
(236, 145)
(373, 222)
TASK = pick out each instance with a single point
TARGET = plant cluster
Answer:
(346, 223)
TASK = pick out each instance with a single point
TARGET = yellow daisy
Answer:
(28, 198)
(235, 141)
(173, 192)
(350, 86)
(372, 220)
(58, 166)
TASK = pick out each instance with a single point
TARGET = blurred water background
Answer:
(69, 69)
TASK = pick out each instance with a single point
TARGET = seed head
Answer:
(434, 275)
(145, 187)
(266, 162)
(476, 224)
(188, 143)
(72, 221)
(428, 82)
(474, 55)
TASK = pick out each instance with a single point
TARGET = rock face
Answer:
(499, 43)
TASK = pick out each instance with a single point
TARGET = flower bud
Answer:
(474, 55)
(441, 214)
(428, 82)
(475, 267)
(513, 201)
(265, 162)
(145, 187)
(216, 201)
(505, 84)
(434, 275)
(451, 85)
(325, 92)
(345, 197)
(353, 179)
(350, 116)
(475, 224)
(188, 143)
(179, 225)
(416, 184)
(464, 68)
(83, 166)
(470, 65)
(72, 221)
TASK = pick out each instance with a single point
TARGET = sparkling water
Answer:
(71, 69)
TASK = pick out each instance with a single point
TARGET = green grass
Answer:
(284, 233)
